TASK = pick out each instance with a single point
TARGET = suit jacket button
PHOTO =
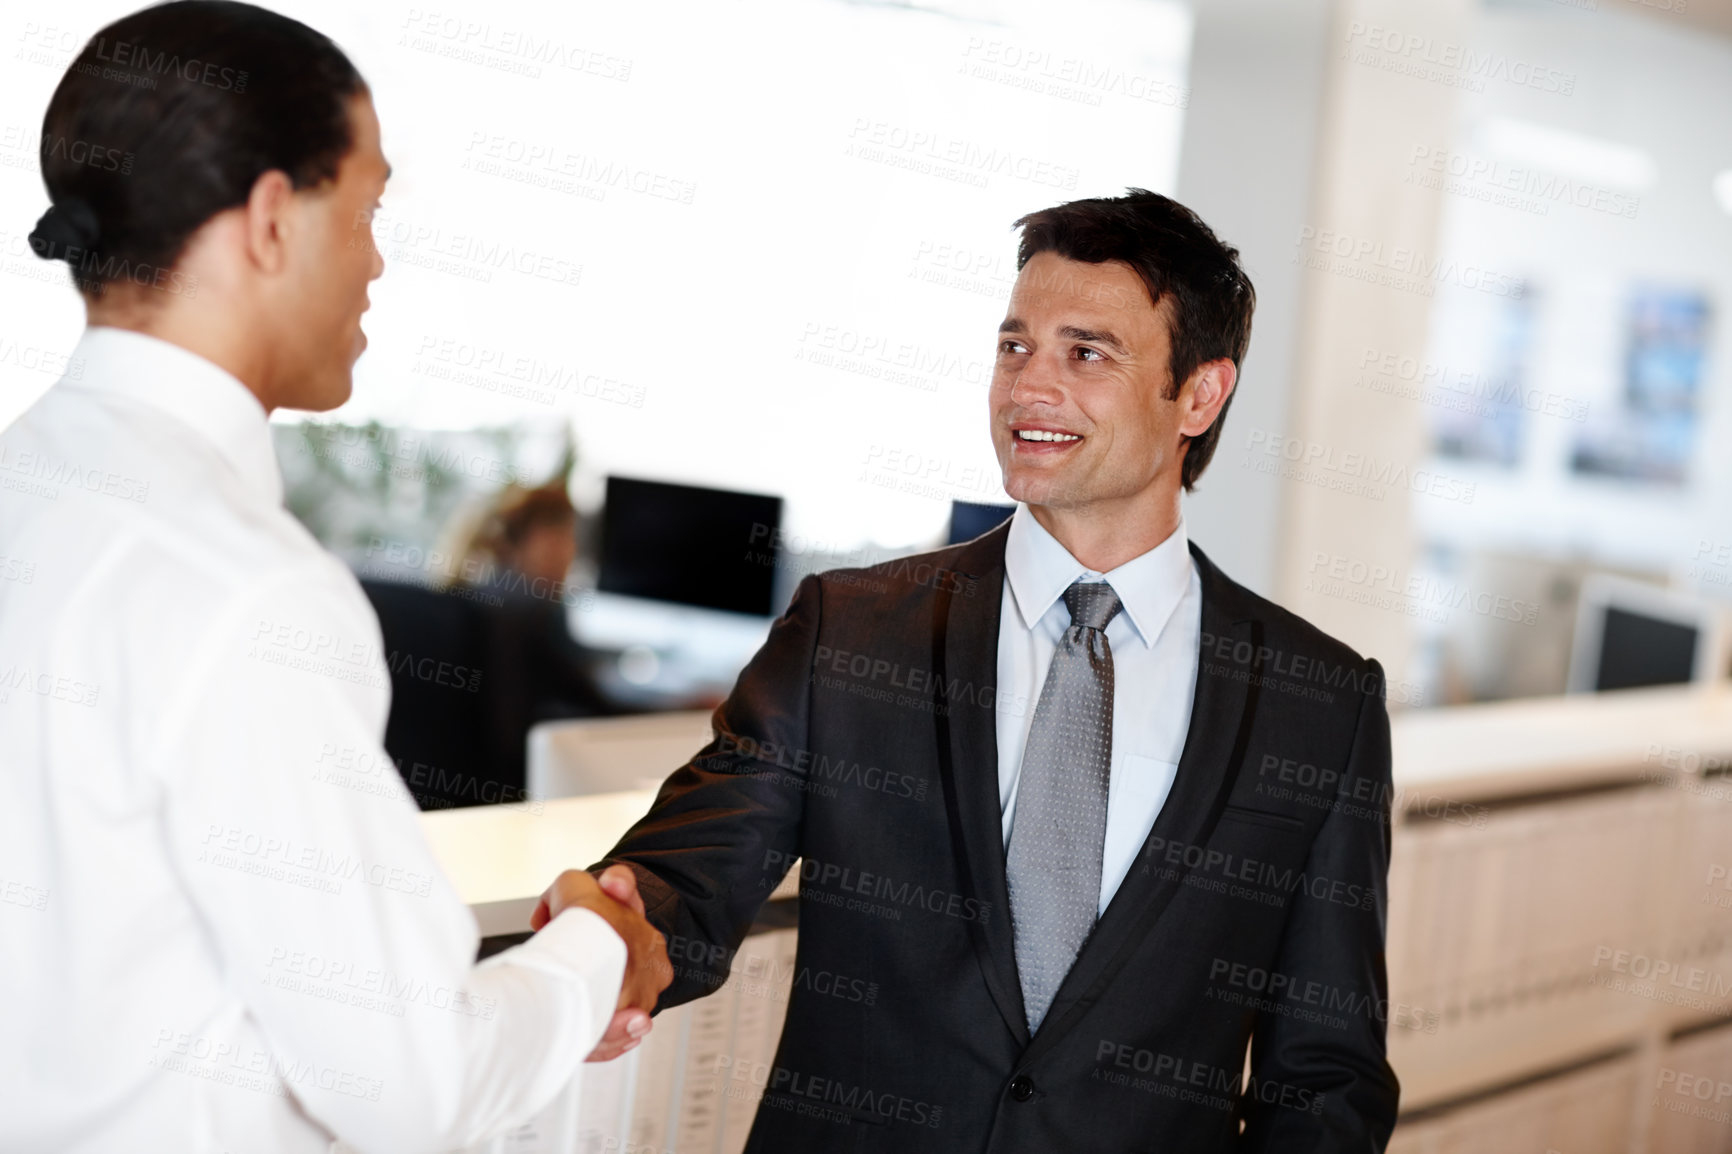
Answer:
(1022, 1087)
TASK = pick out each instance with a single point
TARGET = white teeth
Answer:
(1043, 435)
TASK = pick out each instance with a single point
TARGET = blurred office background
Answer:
(727, 276)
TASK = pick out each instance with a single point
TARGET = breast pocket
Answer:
(1262, 817)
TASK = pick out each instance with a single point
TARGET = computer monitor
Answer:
(693, 546)
(1629, 634)
(969, 519)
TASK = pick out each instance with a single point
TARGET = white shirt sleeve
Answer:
(304, 857)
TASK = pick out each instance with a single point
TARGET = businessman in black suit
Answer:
(1085, 817)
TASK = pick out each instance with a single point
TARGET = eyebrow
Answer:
(1012, 325)
(1094, 337)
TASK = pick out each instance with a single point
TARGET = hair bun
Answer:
(69, 224)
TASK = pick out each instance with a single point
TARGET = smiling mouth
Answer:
(1045, 437)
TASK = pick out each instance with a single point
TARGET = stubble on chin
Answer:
(1058, 491)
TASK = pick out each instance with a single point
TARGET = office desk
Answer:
(1597, 829)
(501, 857)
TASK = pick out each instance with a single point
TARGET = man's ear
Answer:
(269, 224)
(1204, 394)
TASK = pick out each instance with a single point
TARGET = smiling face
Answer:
(334, 259)
(1080, 415)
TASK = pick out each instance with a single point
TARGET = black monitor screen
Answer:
(1637, 650)
(969, 519)
(703, 547)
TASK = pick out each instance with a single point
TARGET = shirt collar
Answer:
(1148, 586)
(150, 371)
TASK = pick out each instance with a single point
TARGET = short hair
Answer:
(168, 117)
(1176, 255)
(520, 512)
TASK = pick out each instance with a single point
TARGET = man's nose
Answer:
(1037, 384)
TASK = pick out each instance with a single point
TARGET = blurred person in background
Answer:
(237, 936)
(523, 552)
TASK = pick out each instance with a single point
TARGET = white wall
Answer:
(787, 221)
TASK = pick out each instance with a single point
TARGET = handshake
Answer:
(614, 896)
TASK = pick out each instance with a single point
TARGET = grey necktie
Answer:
(1053, 865)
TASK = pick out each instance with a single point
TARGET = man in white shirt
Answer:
(220, 926)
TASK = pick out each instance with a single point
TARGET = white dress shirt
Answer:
(221, 929)
(1154, 645)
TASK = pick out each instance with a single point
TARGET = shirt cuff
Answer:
(577, 946)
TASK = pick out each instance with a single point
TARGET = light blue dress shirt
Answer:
(1154, 645)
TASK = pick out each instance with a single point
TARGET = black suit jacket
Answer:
(861, 739)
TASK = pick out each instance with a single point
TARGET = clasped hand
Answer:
(614, 896)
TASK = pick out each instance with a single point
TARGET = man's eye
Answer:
(1085, 353)
(1011, 347)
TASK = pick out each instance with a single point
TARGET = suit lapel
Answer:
(1221, 714)
(965, 648)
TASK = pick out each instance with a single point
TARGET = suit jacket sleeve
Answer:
(1316, 1086)
(726, 826)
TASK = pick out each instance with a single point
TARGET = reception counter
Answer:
(1560, 927)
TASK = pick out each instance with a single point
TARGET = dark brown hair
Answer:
(169, 116)
(1176, 255)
